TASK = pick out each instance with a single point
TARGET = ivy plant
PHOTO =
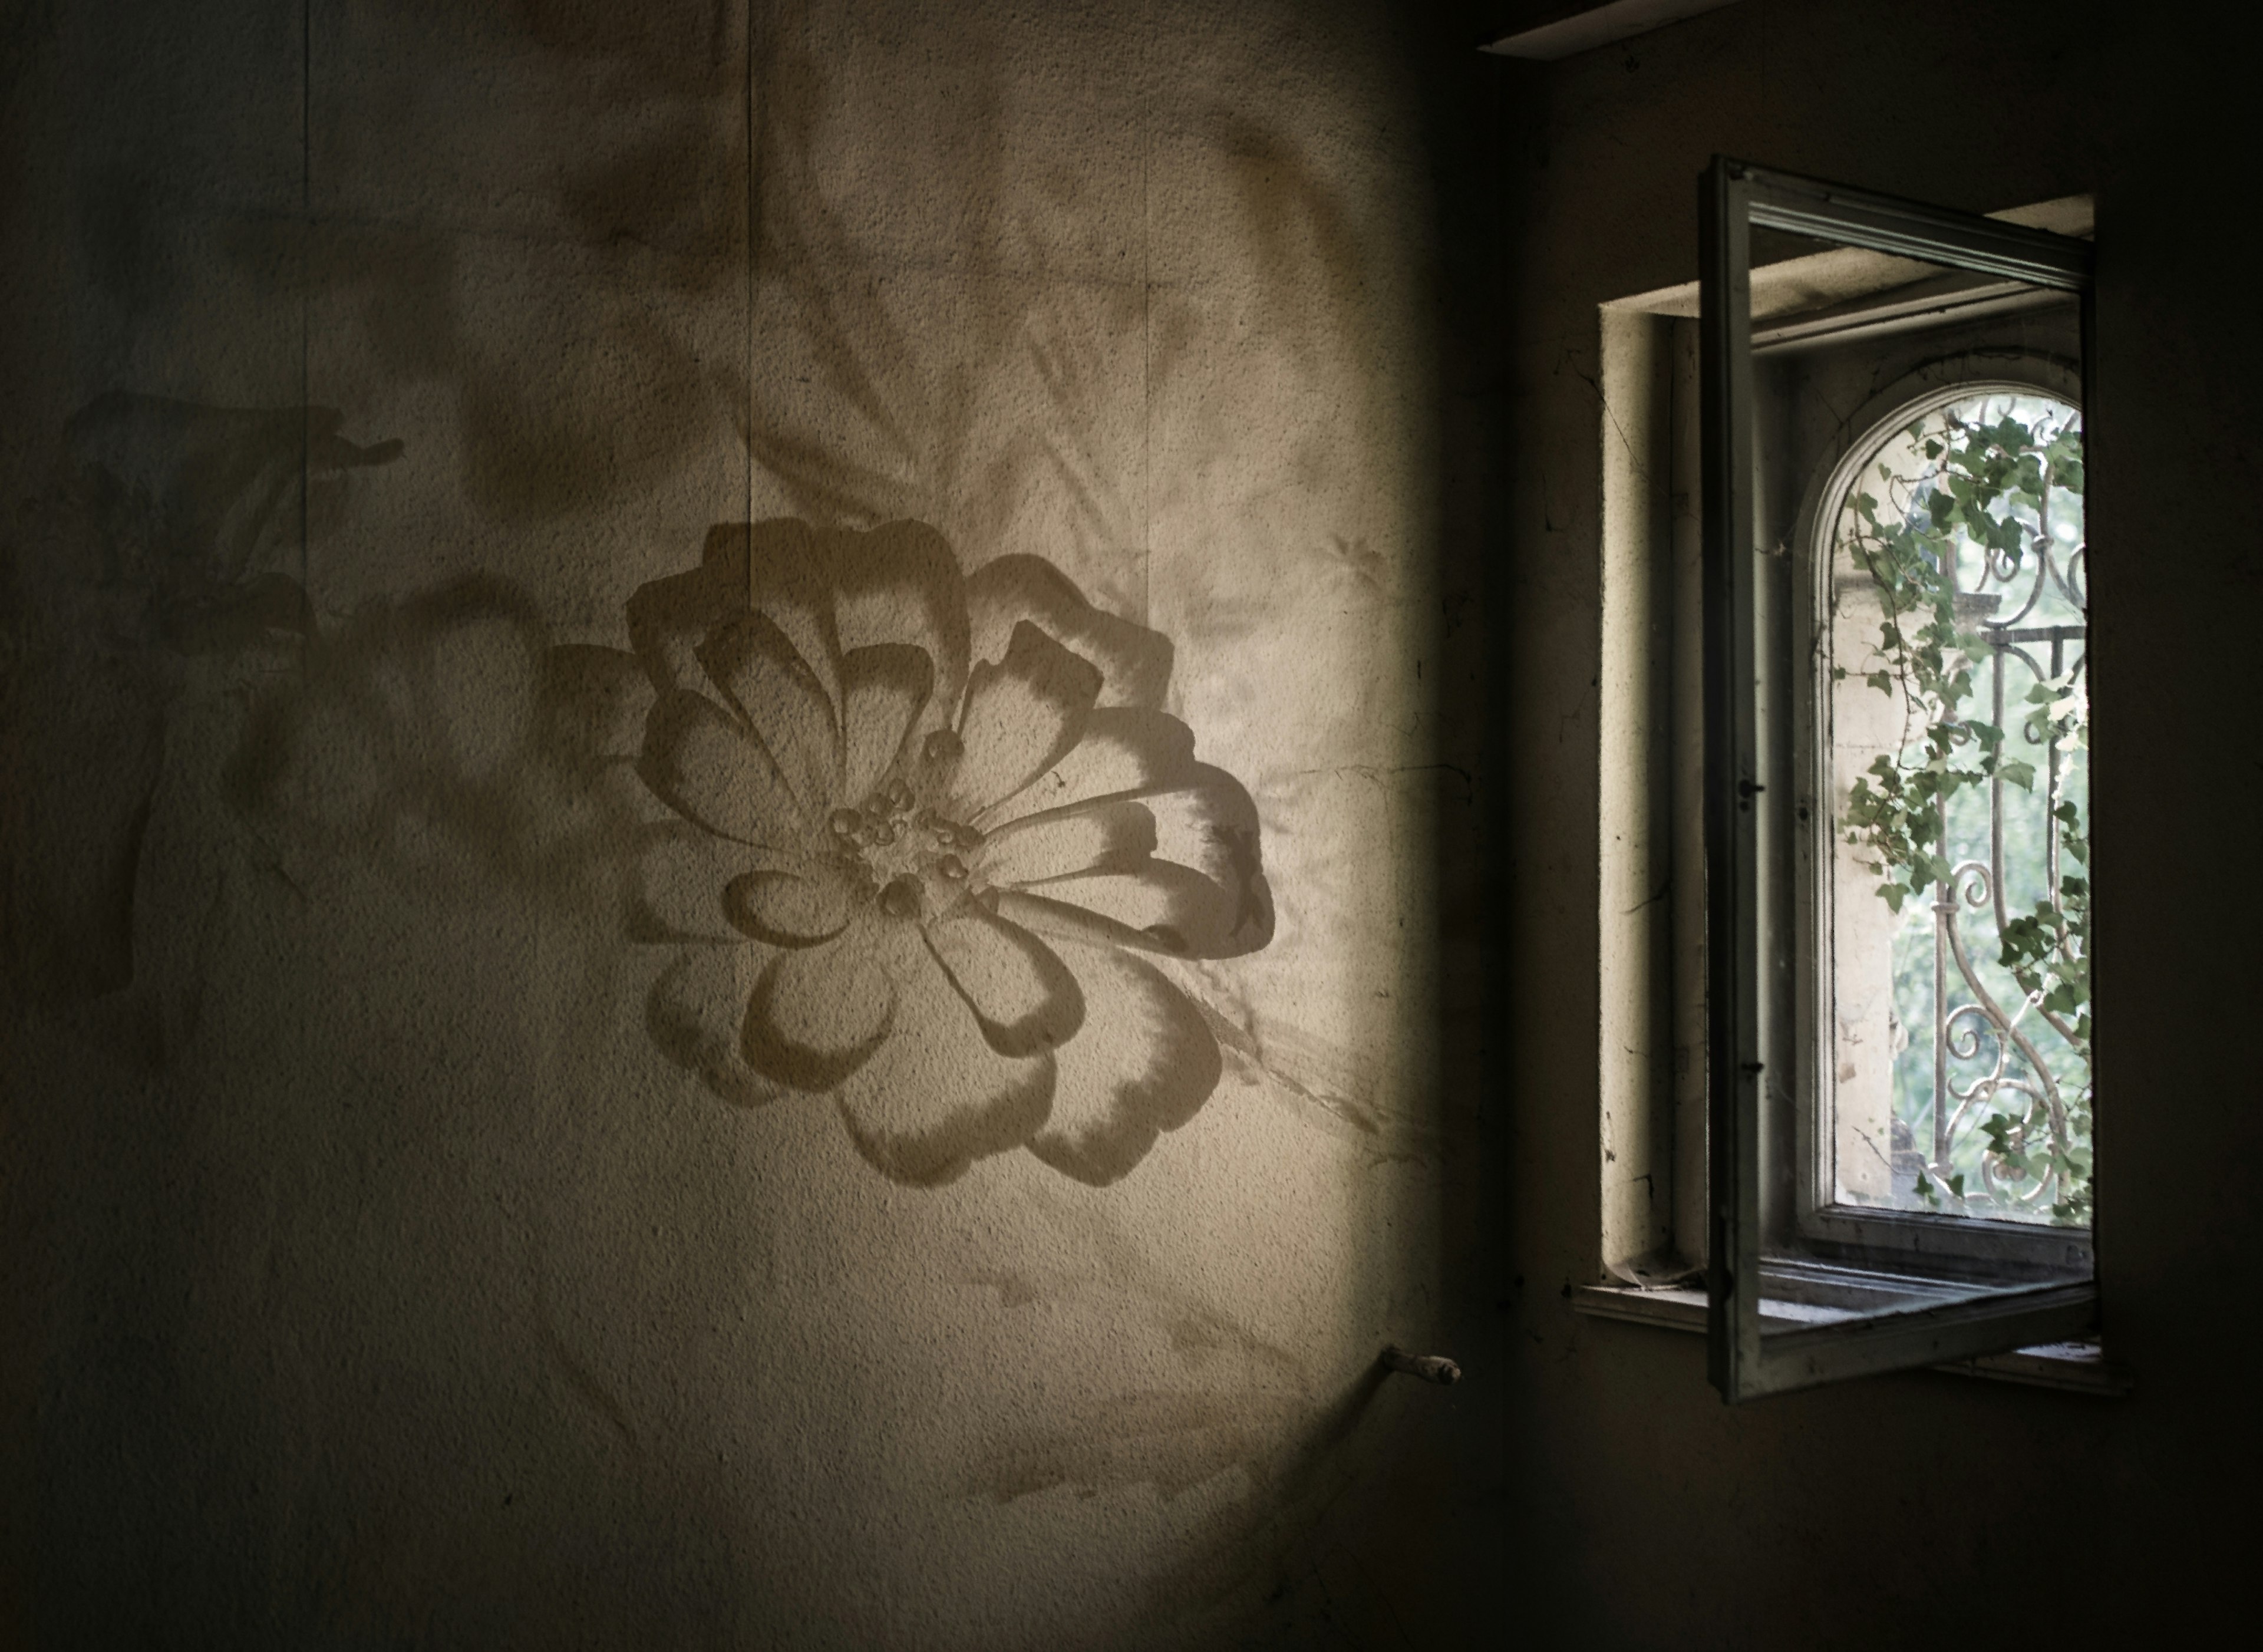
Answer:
(1988, 498)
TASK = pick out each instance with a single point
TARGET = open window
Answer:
(1848, 1114)
(1899, 1109)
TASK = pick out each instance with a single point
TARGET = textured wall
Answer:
(580, 1071)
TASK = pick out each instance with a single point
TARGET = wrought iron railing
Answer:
(1990, 1050)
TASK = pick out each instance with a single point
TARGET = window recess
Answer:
(1846, 1043)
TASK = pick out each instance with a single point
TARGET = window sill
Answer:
(2072, 1367)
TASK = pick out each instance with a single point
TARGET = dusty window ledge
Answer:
(2073, 1367)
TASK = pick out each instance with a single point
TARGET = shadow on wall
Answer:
(864, 416)
(924, 831)
(162, 561)
(1240, 1402)
(940, 824)
(908, 823)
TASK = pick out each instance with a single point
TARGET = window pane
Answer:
(1960, 882)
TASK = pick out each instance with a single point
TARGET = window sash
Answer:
(1749, 1001)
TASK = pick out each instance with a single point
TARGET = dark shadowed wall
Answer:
(738, 789)
(1894, 1511)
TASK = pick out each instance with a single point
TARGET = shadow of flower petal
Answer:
(789, 585)
(884, 687)
(788, 909)
(900, 583)
(1159, 907)
(784, 702)
(936, 1096)
(816, 1016)
(1113, 836)
(1134, 663)
(1022, 716)
(669, 618)
(692, 1014)
(1122, 749)
(1025, 997)
(1208, 824)
(1144, 1062)
(676, 873)
(704, 766)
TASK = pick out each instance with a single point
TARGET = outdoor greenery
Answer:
(1985, 513)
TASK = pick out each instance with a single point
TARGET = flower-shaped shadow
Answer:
(933, 827)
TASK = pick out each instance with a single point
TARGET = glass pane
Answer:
(1958, 754)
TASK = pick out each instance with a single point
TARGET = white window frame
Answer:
(1659, 1221)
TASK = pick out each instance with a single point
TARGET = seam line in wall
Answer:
(747, 433)
(1147, 334)
(306, 300)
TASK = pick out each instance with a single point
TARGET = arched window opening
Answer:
(1958, 765)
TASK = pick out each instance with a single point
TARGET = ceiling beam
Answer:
(1557, 28)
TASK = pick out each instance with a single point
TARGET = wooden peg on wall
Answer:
(1430, 1368)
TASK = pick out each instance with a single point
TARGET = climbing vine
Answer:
(2002, 498)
